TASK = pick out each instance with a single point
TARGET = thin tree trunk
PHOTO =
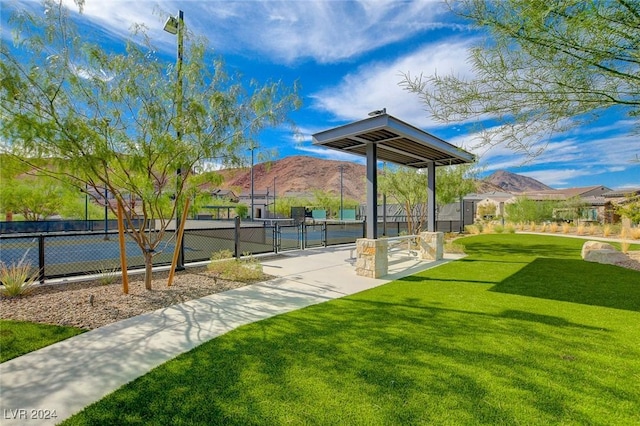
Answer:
(148, 269)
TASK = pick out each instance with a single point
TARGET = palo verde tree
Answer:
(543, 67)
(111, 119)
(630, 207)
(331, 202)
(408, 187)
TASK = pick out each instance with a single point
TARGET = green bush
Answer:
(17, 280)
(226, 267)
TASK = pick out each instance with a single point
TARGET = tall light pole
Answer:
(86, 207)
(252, 148)
(175, 26)
(106, 212)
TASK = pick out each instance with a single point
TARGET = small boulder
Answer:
(599, 252)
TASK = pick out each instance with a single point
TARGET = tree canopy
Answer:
(408, 187)
(543, 67)
(116, 120)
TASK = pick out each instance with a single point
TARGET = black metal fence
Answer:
(66, 254)
(37, 226)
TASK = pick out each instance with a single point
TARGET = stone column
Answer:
(431, 245)
(371, 257)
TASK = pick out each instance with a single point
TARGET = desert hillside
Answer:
(302, 174)
(515, 183)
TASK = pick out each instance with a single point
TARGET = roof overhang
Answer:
(397, 142)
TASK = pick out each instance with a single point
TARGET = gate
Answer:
(287, 237)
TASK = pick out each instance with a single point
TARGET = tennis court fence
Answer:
(66, 254)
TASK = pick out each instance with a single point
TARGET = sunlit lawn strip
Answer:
(476, 341)
(18, 338)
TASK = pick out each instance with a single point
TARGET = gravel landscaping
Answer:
(92, 304)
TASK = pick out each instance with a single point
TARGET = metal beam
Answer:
(431, 197)
(372, 191)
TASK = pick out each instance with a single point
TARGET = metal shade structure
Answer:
(386, 138)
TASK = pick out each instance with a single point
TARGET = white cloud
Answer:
(557, 178)
(376, 85)
(326, 31)
(286, 31)
(330, 154)
(580, 153)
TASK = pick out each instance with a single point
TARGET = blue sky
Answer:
(349, 57)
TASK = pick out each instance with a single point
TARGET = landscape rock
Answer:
(599, 252)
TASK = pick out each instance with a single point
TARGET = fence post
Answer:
(276, 234)
(325, 234)
(41, 258)
(236, 243)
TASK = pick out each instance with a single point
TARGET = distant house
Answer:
(261, 201)
(615, 198)
(225, 194)
(594, 198)
(567, 193)
(591, 196)
(496, 199)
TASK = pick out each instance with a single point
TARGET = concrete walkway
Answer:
(69, 375)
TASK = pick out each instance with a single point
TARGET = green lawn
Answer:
(519, 332)
(18, 338)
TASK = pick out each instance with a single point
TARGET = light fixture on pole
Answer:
(378, 112)
(175, 25)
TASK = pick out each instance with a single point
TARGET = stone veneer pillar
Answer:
(371, 257)
(431, 245)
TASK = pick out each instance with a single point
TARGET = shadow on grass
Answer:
(417, 351)
(362, 361)
(576, 281)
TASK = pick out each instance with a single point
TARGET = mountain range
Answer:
(303, 175)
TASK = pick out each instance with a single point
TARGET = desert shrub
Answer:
(624, 246)
(566, 228)
(488, 228)
(453, 247)
(17, 279)
(532, 226)
(108, 273)
(593, 229)
(222, 254)
(473, 229)
(580, 230)
(630, 233)
(510, 228)
(554, 227)
(635, 233)
(247, 269)
(606, 231)
(498, 229)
